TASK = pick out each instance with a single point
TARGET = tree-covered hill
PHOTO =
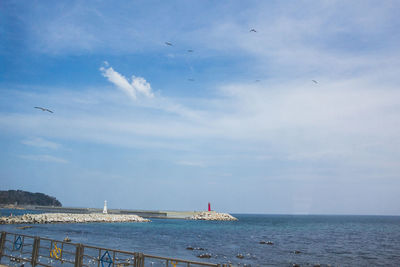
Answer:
(27, 198)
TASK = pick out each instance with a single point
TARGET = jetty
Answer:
(69, 218)
(148, 214)
(101, 217)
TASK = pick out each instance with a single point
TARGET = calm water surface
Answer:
(325, 240)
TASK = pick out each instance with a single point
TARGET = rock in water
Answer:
(24, 227)
(204, 256)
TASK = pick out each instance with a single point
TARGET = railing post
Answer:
(35, 251)
(79, 255)
(139, 259)
(2, 242)
(136, 260)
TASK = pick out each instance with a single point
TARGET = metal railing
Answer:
(24, 250)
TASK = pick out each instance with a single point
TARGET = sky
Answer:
(169, 105)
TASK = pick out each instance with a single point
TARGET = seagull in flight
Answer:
(44, 109)
(314, 81)
(253, 30)
(191, 79)
(190, 50)
(168, 43)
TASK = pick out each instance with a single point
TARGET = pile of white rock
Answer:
(212, 216)
(70, 218)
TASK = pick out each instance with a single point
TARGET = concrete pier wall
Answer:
(141, 213)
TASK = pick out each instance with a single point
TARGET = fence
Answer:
(24, 250)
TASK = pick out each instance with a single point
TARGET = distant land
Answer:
(19, 197)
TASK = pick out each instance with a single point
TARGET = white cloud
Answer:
(142, 86)
(353, 119)
(44, 158)
(40, 142)
(137, 85)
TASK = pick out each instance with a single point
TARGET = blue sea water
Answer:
(324, 240)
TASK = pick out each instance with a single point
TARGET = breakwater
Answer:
(52, 209)
(69, 218)
(212, 216)
(194, 215)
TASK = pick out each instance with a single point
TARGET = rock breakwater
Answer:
(69, 218)
(212, 216)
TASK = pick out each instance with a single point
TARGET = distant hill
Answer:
(27, 198)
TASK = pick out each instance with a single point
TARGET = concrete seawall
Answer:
(52, 209)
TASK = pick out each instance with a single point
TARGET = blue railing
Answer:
(24, 250)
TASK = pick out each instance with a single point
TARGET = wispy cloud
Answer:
(44, 158)
(191, 163)
(40, 142)
(294, 121)
(137, 84)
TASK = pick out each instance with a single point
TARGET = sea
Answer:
(306, 240)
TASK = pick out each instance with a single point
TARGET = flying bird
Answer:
(191, 79)
(257, 81)
(253, 30)
(314, 81)
(168, 43)
(44, 109)
(190, 50)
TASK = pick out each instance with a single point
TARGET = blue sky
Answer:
(238, 122)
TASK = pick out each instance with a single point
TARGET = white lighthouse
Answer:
(105, 207)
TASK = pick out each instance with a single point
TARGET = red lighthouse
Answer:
(209, 206)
